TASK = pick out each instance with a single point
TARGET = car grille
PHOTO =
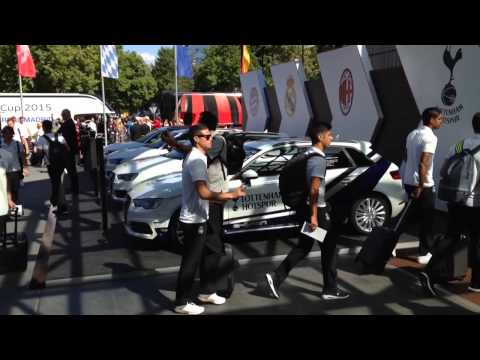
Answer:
(120, 193)
(140, 228)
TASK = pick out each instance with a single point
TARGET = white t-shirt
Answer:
(418, 141)
(92, 126)
(194, 209)
(15, 148)
(42, 144)
(5, 166)
(23, 130)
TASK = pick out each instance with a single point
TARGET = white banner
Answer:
(446, 76)
(253, 90)
(349, 93)
(289, 81)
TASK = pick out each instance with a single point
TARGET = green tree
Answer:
(75, 68)
(135, 85)
(164, 72)
(220, 69)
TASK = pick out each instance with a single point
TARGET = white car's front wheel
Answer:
(369, 212)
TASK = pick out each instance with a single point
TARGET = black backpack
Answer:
(293, 180)
(57, 153)
(235, 155)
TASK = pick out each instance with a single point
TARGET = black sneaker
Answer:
(272, 285)
(427, 284)
(335, 294)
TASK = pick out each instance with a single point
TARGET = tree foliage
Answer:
(76, 68)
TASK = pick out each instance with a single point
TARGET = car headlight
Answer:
(115, 161)
(127, 177)
(147, 203)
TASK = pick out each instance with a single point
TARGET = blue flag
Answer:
(184, 62)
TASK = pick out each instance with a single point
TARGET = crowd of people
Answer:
(205, 193)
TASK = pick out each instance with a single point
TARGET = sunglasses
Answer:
(207, 137)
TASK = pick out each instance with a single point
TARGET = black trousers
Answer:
(194, 243)
(57, 194)
(210, 272)
(72, 172)
(305, 244)
(422, 212)
(14, 179)
(462, 220)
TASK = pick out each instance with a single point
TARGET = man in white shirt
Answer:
(55, 173)
(193, 219)
(6, 201)
(16, 150)
(417, 176)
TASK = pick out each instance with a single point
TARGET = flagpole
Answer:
(105, 130)
(176, 85)
(21, 92)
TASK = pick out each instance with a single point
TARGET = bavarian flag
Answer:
(245, 60)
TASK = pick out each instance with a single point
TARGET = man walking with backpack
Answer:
(312, 166)
(69, 132)
(54, 149)
(417, 177)
(460, 186)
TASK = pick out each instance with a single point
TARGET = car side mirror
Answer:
(248, 175)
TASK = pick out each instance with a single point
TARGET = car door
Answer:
(340, 170)
(263, 200)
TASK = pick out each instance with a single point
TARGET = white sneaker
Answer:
(424, 259)
(189, 309)
(212, 299)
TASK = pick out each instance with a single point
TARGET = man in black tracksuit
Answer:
(69, 132)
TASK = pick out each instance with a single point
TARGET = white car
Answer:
(362, 188)
(152, 150)
(147, 139)
(131, 173)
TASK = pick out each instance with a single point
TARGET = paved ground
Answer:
(89, 275)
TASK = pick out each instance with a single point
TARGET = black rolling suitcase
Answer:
(13, 248)
(379, 246)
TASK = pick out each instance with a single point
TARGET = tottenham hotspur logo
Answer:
(449, 93)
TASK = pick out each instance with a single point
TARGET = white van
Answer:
(48, 106)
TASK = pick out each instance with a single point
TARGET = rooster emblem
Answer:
(449, 93)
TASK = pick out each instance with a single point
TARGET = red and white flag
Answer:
(26, 67)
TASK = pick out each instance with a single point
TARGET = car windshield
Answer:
(250, 151)
(175, 154)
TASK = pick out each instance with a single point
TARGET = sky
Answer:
(147, 52)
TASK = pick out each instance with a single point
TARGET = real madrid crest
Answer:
(290, 97)
(253, 101)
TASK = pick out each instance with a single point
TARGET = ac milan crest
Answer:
(345, 93)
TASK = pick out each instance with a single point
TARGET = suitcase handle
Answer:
(402, 214)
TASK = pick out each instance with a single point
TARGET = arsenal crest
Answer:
(290, 97)
(345, 93)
